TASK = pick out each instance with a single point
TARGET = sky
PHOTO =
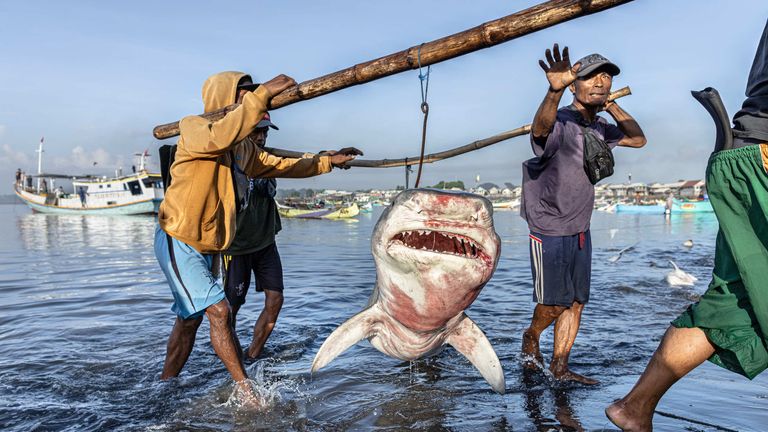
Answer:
(95, 77)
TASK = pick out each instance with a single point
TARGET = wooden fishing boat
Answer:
(344, 212)
(700, 206)
(640, 208)
(137, 193)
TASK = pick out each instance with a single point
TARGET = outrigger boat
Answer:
(138, 193)
(344, 212)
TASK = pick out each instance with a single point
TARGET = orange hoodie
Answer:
(199, 205)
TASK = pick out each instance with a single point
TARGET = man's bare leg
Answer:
(180, 344)
(543, 316)
(680, 351)
(233, 323)
(223, 340)
(566, 329)
(273, 302)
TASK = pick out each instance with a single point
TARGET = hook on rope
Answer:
(424, 80)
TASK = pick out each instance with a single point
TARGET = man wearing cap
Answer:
(254, 249)
(558, 198)
(197, 215)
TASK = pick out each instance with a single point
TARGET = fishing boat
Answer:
(506, 205)
(700, 206)
(366, 208)
(344, 212)
(640, 208)
(137, 193)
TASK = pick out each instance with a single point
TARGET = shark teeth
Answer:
(440, 242)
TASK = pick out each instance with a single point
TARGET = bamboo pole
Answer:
(434, 157)
(485, 35)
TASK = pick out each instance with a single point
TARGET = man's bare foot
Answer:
(532, 358)
(619, 414)
(245, 396)
(567, 375)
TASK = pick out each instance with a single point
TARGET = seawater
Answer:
(85, 320)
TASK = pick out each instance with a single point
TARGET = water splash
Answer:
(257, 393)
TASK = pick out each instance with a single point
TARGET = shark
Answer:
(434, 252)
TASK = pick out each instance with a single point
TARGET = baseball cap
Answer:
(592, 62)
(266, 122)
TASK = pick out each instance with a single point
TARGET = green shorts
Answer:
(733, 312)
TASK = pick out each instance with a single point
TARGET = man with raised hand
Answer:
(559, 195)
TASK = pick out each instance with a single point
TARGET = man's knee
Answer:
(189, 324)
(273, 300)
(219, 311)
(555, 311)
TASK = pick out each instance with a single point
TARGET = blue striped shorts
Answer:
(189, 275)
(561, 267)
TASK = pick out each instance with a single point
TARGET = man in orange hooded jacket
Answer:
(197, 216)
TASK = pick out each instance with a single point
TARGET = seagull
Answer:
(688, 243)
(617, 257)
(678, 277)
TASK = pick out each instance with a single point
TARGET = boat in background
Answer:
(700, 206)
(138, 193)
(640, 208)
(344, 212)
(506, 205)
(366, 208)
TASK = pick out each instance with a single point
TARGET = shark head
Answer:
(434, 251)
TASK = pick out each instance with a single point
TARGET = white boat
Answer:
(138, 193)
(132, 194)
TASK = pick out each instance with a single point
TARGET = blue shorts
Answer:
(561, 268)
(189, 275)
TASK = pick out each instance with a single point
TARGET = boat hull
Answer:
(640, 209)
(144, 207)
(342, 213)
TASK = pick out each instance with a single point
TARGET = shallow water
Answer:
(86, 318)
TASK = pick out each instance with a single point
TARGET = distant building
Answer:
(692, 189)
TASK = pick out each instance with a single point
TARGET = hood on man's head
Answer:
(220, 90)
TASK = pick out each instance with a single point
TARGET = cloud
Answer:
(12, 158)
(85, 161)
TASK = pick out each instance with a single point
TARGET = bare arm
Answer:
(633, 134)
(560, 75)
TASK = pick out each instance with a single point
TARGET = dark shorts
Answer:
(561, 268)
(265, 265)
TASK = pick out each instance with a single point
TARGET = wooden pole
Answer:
(485, 35)
(434, 157)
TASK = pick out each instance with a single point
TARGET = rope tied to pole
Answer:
(424, 81)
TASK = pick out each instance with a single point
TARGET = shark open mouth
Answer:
(440, 242)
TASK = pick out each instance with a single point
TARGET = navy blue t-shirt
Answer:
(557, 195)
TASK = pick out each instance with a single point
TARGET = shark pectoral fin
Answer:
(469, 340)
(351, 332)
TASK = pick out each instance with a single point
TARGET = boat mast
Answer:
(39, 152)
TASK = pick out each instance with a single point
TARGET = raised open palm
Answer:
(560, 73)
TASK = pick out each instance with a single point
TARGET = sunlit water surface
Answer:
(86, 318)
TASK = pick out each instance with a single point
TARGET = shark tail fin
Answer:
(469, 340)
(355, 329)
